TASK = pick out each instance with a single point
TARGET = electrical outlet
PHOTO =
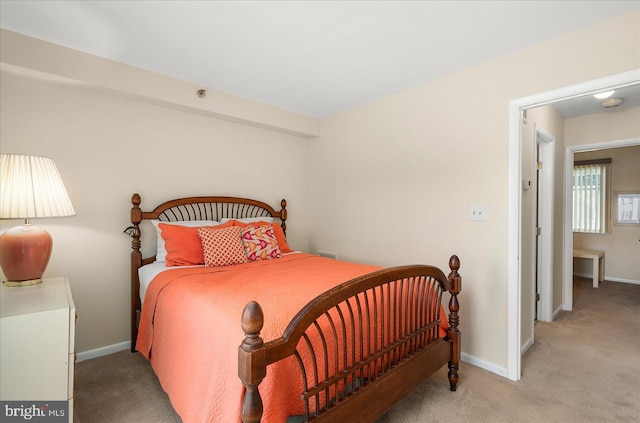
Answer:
(328, 254)
(477, 213)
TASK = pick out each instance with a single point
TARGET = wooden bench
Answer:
(596, 257)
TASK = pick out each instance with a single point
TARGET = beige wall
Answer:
(392, 181)
(615, 125)
(107, 147)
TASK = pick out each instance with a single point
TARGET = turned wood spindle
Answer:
(252, 358)
(454, 333)
(283, 215)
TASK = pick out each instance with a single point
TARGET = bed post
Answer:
(136, 262)
(252, 362)
(453, 333)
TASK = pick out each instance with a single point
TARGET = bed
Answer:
(285, 337)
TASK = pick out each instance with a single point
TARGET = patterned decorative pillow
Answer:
(282, 240)
(260, 242)
(222, 247)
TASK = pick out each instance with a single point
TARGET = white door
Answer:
(545, 145)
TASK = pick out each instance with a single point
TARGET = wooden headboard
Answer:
(185, 209)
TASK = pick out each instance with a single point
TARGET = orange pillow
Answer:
(222, 247)
(282, 239)
(277, 229)
(183, 244)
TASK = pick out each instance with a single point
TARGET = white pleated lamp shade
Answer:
(31, 187)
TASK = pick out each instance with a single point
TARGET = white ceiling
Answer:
(588, 104)
(312, 57)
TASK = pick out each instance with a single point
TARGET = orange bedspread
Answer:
(190, 330)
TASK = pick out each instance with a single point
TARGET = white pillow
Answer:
(161, 253)
(268, 219)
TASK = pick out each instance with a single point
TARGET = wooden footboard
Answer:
(361, 346)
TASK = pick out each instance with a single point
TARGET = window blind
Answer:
(590, 197)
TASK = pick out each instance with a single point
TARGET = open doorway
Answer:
(516, 319)
(571, 151)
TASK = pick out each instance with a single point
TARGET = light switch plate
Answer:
(477, 212)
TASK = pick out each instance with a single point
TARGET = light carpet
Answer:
(583, 367)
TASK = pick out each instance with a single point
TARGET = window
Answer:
(591, 196)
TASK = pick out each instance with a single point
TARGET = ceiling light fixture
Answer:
(603, 95)
(612, 102)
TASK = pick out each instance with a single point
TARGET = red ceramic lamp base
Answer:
(24, 254)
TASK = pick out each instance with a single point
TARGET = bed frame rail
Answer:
(360, 346)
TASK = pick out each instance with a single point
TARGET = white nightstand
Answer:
(37, 337)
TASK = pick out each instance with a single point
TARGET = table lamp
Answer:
(30, 187)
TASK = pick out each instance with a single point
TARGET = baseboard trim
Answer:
(99, 352)
(467, 358)
(609, 278)
(631, 281)
(557, 312)
(526, 346)
(483, 364)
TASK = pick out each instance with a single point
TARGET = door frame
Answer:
(514, 286)
(545, 145)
